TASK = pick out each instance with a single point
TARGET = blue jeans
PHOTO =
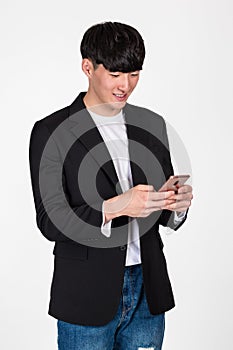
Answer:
(132, 328)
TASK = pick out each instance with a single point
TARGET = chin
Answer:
(117, 105)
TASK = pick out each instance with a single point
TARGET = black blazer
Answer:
(89, 267)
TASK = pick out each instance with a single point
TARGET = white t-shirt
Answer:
(114, 134)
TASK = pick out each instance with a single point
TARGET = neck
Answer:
(105, 109)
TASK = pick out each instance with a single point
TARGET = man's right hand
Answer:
(139, 201)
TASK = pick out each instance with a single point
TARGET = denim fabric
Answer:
(132, 328)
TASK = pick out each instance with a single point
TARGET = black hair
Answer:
(119, 47)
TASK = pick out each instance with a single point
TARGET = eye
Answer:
(114, 75)
(136, 74)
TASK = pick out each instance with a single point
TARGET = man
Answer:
(96, 167)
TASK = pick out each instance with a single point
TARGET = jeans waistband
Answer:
(133, 266)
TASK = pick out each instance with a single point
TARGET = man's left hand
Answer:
(183, 199)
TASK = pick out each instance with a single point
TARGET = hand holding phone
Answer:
(174, 182)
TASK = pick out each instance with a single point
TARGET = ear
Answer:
(87, 67)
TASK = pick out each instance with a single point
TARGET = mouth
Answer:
(120, 97)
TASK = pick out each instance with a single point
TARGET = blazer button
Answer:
(122, 247)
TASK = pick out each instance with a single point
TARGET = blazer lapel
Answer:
(138, 142)
(84, 128)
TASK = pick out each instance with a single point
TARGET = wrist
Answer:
(111, 209)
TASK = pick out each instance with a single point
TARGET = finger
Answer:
(156, 196)
(185, 189)
(182, 196)
(158, 204)
(184, 209)
(152, 209)
(145, 187)
(178, 205)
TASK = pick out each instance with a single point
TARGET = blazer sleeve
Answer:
(167, 217)
(55, 218)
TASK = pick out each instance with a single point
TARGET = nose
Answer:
(124, 82)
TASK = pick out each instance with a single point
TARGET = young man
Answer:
(96, 167)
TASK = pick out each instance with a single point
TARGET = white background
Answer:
(187, 78)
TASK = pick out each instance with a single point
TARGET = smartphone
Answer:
(174, 182)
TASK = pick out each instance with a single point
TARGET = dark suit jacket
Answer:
(89, 267)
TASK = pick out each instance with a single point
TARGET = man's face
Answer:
(111, 88)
